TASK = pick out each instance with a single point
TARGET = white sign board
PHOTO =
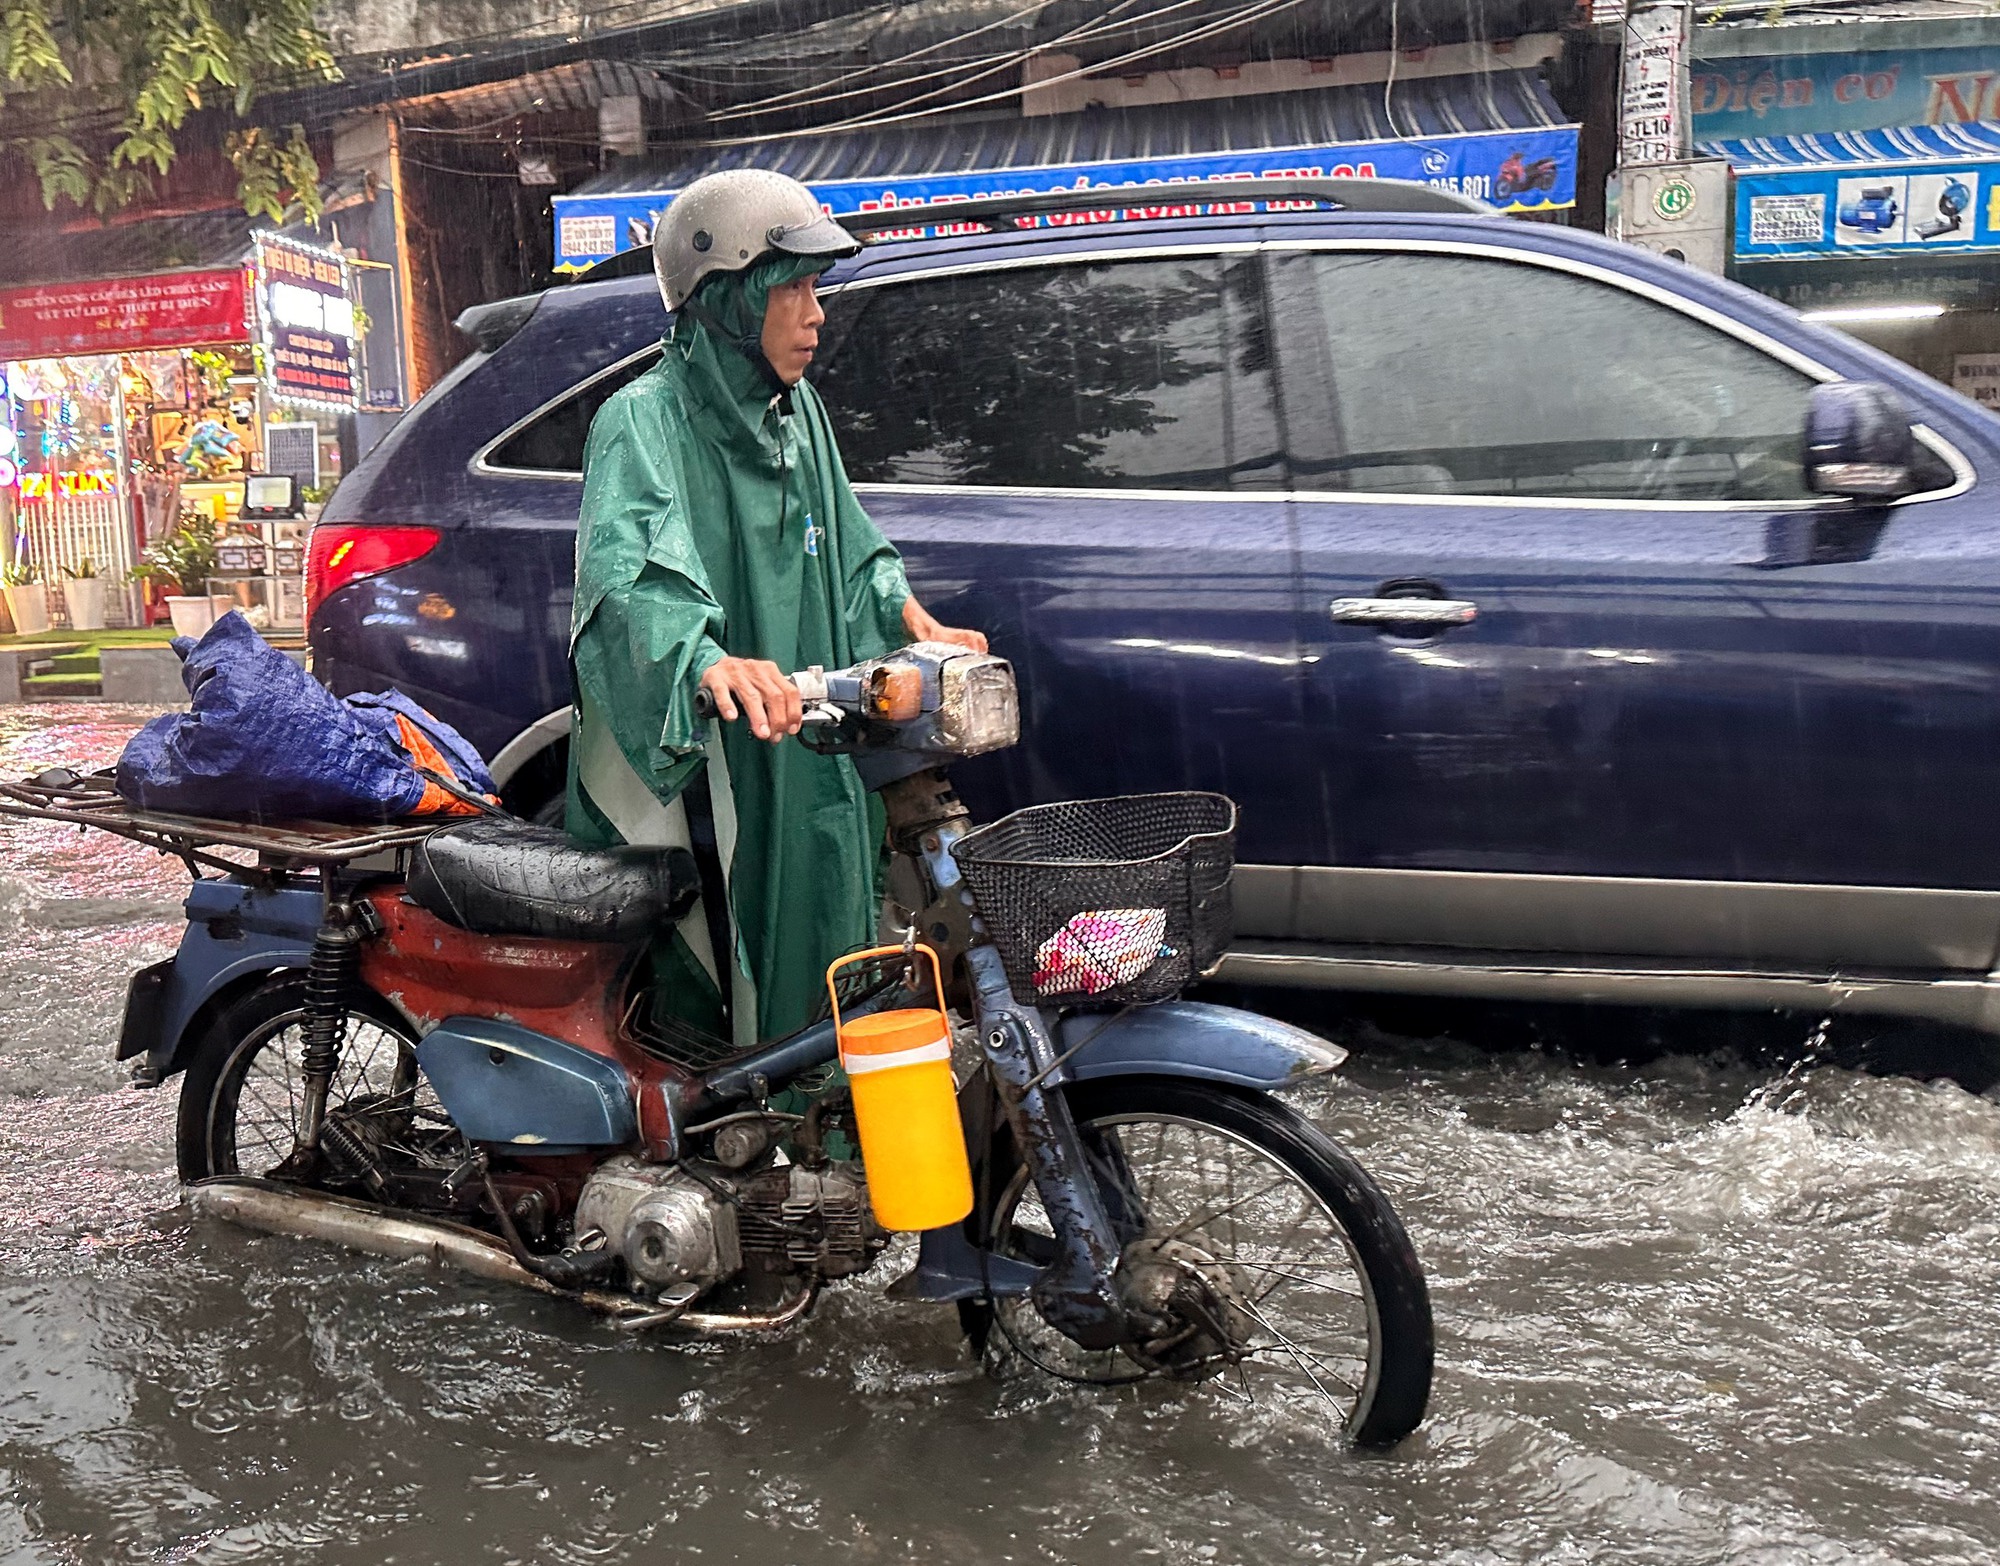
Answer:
(1977, 375)
(1653, 108)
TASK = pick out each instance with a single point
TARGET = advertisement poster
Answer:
(171, 310)
(1514, 170)
(308, 323)
(1847, 211)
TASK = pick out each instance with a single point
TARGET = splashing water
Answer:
(1694, 1314)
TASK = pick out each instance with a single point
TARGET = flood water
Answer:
(1702, 1312)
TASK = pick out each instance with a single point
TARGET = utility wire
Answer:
(902, 113)
(902, 59)
(1076, 34)
(1084, 32)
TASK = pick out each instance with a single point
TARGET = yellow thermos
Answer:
(898, 1066)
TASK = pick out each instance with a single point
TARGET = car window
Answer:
(1436, 374)
(1148, 374)
(553, 442)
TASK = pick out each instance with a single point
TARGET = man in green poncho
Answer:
(720, 547)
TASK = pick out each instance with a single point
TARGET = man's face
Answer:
(792, 318)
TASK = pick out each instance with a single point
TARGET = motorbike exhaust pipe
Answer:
(271, 1208)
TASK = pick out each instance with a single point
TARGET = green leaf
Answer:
(151, 64)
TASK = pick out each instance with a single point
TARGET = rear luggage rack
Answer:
(89, 800)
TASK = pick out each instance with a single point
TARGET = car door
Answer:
(1546, 522)
(1080, 457)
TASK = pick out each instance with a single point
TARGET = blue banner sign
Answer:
(1514, 170)
(1855, 210)
(1808, 93)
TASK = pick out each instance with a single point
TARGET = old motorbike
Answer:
(442, 1041)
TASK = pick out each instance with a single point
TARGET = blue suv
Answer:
(1482, 562)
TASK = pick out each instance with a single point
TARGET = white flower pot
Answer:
(29, 606)
(85, 597)
(192, 616)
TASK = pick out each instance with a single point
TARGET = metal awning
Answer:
(581, 85)
(1905, 144)
(54, 251)
(1497, 135)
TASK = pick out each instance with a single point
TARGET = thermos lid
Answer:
(918, 1033)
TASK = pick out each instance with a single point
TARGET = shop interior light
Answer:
(1887, 312)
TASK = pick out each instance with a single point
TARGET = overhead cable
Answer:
(903, 113)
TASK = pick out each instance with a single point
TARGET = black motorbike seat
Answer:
(498, 876)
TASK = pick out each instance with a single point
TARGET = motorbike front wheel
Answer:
(1273, 1269)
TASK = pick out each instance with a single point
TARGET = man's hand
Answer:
(760, 690)
(923, 628)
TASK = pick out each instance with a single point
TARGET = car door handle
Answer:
(1403, 611)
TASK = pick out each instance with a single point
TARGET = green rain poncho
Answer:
(714, 524)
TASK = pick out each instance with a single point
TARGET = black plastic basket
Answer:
(1155, 866)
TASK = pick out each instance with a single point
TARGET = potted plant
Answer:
(27, 599)
(83, 594)
(185, 560)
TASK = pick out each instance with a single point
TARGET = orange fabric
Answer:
(436, 801)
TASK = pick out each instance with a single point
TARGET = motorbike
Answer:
(447, 1042)
(1518, 176)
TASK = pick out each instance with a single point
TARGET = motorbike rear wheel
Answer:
(1284, 1272)
(242, 1094)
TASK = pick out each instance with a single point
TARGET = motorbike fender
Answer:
(1193, 1039)
(235, 932)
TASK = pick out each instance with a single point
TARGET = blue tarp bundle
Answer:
(263, 740)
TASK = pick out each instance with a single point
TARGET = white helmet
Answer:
(726, 222)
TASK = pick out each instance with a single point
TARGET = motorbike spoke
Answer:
(1285, 1276)
(1202, 1220)
(1303, 1357)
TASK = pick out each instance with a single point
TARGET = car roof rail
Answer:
(1347, 195)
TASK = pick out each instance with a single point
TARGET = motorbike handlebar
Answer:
(811, 685)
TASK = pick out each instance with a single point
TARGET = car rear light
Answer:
(338, 555)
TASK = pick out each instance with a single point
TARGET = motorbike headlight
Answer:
(979, 710)
(895, 692)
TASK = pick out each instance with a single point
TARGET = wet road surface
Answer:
(1698, 1313)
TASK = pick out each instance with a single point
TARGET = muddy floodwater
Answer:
(1699, 1312)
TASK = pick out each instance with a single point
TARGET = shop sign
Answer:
(1807, 94)
(1852, 210)
(93, 481)
(1513, 170)
(1977, 375)
(308, 321)
(171, 310)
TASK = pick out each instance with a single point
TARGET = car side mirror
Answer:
(1859, 442)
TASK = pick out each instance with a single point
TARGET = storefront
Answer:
(1867, 179)
(135, 405)
(1893, 235)
(1497, 135)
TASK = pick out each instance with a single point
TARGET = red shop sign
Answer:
(172, 310)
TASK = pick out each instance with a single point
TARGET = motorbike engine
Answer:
(670, 1228)
(814, 1220)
